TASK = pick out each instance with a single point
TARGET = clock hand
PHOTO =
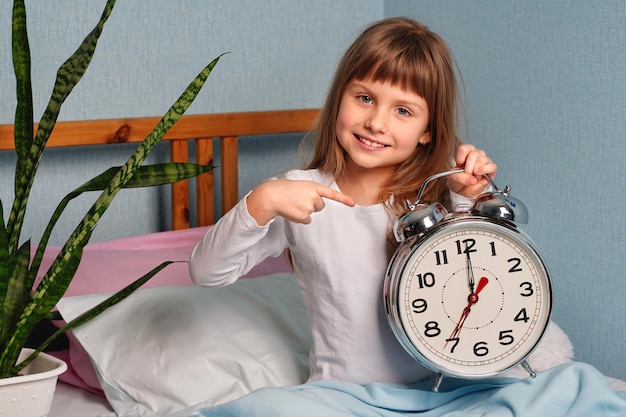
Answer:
(470, 273)
(459, 324)
(472, 299)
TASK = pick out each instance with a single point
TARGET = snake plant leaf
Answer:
(4, 264)
(145, 176)
(95, 311)
(17, 296)
(148, 176)
(23, 124)
(17, 293)
(68, 75)
(4, 249)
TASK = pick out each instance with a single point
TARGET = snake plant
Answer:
(22, 303)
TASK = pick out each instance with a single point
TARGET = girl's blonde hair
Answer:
(405, 53)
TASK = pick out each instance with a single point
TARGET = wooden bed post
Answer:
(204, 184)
(229, 170)
(180, 190)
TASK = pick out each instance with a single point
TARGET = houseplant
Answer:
(22, 304)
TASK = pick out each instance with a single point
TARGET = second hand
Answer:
(473, 299)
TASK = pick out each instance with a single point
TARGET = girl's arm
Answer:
(255, 229)
(233, 246)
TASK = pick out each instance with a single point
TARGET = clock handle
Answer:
(497, 204)
(412, 206)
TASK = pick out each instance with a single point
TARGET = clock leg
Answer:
(437, 382)
(528, 369)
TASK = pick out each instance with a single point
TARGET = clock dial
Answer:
(471, 298)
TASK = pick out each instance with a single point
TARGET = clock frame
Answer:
(468, 294)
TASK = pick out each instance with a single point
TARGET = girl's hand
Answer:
(475, 163)
(291, 199)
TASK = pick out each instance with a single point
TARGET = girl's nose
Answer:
(376, 121)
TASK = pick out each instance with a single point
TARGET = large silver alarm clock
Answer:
(467, 294)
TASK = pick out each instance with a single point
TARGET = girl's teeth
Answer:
(370, 143)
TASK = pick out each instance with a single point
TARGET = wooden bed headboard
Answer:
(202, 129)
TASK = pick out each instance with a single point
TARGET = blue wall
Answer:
(545, 84)
(546, 97)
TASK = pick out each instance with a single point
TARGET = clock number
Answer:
(426, 280)
(442, 257)
(419, 305)
(480, 349)
(456, 342)
(528, 287)
(469, 246)
(432, 329)
(505, 338)
(522, 316)
(516, 263)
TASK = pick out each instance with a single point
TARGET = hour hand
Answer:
(470, 274)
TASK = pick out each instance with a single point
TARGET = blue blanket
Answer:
(572, 390)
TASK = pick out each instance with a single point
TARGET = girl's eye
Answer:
(365, 99)
(403, 112)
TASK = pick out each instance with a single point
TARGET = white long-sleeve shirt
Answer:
(340, 260)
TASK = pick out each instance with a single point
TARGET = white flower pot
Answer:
(30, 394)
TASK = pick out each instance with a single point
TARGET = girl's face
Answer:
(380, 124)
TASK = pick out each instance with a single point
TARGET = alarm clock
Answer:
(467, 294)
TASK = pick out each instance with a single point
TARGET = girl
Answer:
(388, 123)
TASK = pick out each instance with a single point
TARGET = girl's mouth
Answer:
(369, 142)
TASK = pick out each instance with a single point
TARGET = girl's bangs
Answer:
(401, 70)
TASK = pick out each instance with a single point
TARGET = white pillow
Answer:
(167, 348)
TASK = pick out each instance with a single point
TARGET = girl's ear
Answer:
(425, 139)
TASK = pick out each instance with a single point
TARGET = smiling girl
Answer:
(388, 123)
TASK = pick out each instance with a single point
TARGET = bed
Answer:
(175, 349)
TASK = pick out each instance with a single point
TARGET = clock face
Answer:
(471, 298)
